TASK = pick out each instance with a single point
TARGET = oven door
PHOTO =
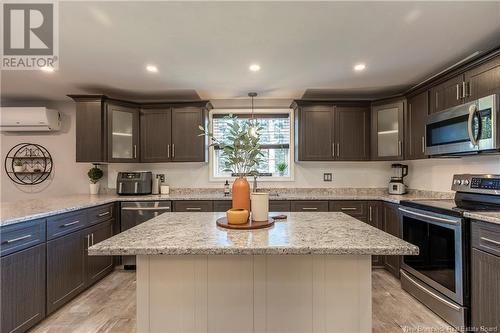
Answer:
(464, 129)
(440, 261)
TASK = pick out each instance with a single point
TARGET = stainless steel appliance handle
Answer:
(103, 214)
(70, 223)
(147, 208)
(490, 241)
(430, 217)
(197, 209)
(309, 208)
(472, 112)
(439, 298)
(13, 240)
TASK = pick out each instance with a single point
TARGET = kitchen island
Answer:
(310, 273)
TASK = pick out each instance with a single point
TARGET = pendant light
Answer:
(253, 125)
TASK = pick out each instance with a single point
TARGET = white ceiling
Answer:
(206, 47)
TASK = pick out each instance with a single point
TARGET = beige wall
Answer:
(68, 176)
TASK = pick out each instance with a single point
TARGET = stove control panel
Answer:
(488, 184)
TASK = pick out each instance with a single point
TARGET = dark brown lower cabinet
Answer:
(98, 266)
(390, 217)
(485, 293)
(22, 291)
(375, 220)
(65, 269)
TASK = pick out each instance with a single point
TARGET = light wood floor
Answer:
(109, 306)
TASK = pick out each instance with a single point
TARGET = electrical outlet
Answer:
(327, 177)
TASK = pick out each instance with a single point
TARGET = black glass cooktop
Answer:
(440, 206)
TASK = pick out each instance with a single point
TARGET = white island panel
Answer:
(254, 293)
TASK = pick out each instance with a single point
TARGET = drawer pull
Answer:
(309, 208)
(490, 241)
(10, 241)
(348, 208)
(103, 214)
(193, 209)
(69, 224)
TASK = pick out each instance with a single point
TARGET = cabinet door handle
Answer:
(423, 145)
(370, 213)
(103, 214)
(193, 209)
(309, 208)
(88, 241)
(490, 241)
(13, 240)
(168, 151)
(333, 149)
(69, 224)
(135, 151)
(348, 208)
(400, 148)
(173, 150)
(464, 89)
(338, 149)
(458, 92)
(92, 236)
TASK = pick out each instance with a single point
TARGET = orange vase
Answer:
(241, 193)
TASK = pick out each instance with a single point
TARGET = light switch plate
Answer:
(327, 177)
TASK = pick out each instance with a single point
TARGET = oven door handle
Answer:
(430, 217)
(472, 112)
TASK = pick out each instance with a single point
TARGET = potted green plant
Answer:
(241, 155)
(281, 167)
(18, 166)
(95, 174)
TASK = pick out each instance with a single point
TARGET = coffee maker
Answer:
(396, 184)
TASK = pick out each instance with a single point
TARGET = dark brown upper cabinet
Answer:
(110, 130)
(447, 94)
(315, 133)
(483, 80)
(418, 110)
(123, 133)
(187, 144)
(331, 131)
(352, 135)
(156, 142)
(387, 132)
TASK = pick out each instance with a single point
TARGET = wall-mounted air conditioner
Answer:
(25, 119)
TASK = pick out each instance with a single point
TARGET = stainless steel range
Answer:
(439, 275)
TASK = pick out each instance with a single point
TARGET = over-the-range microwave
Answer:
(464, 129)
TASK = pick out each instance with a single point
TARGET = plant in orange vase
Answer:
(241, 154)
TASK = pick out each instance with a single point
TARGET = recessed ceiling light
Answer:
(152, 68)
(359, 67)
(254, 68)
(47, 69)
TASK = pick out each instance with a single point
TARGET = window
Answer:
(275, 141)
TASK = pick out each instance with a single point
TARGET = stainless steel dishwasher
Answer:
(136, 212)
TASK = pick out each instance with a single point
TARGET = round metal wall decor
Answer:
(28, 164)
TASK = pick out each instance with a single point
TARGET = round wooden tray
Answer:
(222, 222)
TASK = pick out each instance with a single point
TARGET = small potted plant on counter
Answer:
(281, 167)
(18, 166)
(95, 174)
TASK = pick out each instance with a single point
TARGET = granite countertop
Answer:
(329, 233)
(492, 217)
(24, 210)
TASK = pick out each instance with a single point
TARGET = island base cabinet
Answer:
(392, 226)
(98, 266)
(22, 290)
(268, 293)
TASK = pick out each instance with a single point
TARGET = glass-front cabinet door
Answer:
(387, 131)
(123, 133)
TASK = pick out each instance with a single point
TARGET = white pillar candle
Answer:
(260, 206)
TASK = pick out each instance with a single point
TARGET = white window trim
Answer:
(291, 166)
